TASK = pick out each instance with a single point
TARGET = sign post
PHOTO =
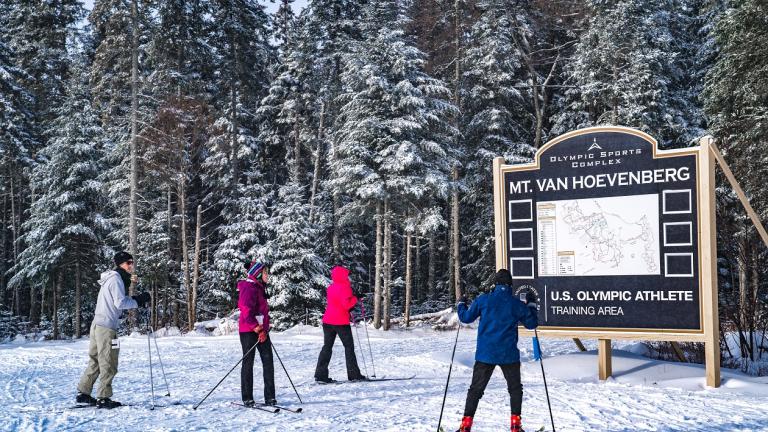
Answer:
(616, 237)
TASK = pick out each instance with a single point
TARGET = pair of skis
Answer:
(80, 406)
(367, 380)
(274, 409)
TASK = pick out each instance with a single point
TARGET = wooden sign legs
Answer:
(604, 364)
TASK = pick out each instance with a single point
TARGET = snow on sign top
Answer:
(604, 226)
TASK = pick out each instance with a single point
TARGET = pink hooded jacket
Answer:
(340, 298)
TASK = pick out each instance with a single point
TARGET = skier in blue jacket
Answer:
(501, 311)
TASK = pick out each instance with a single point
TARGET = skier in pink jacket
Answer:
(336, 321)
(254, 330)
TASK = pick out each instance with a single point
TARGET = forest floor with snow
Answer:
(38, 385)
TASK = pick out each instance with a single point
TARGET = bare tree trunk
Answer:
(418, 286)
(78, 299)
(318, 159)
(743, 282)
(455, 241)
(42, 300)
(33, 316)
(234, 144)
(455, 261)
(377, 271)
(431, 269)
(4, 246)
(755, 300)
(132, 211)
(387, 264)
(14, 237)
(615, 99)
(166, 281)
(336, 229)
(184, 254)
(196, 275)
(408, 277)
(56, 296)
(297, 150)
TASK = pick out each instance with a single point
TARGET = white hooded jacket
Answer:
(112, 300)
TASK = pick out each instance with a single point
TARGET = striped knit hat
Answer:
(255, 270)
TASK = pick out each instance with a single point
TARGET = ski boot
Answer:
(359, 378)
(107, 403)
(270, 402)
(85, 399)
(466, 424)
(516, 423)
(249, 403)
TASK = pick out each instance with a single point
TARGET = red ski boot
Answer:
(466, 425)
(516, 424)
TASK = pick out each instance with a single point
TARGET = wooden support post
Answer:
(708, 248)
(604, 366)
(498, 207)
(580, 345)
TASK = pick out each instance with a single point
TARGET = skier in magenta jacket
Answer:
(254, 330)
(336, 321)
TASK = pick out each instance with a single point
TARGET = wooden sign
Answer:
(615, 236)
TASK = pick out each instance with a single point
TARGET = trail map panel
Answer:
(599, 236)
(605, 228)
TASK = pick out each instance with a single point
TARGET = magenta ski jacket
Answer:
(340, 298)
(252, 301)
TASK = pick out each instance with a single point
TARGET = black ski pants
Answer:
(329, 337)
(481, 374)
(248, 340)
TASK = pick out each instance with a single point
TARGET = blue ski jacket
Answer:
(497, 335)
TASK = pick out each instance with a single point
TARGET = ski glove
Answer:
(531, 300)
(143, 299)
(259, 330)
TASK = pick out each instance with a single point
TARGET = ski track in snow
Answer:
(39, 386)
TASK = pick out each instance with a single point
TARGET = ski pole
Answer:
(151, 378)
(286, 371)
(225, 376)
(162, 368)
(365, 325)
(450, 368)
(541, 362)
(360, 344)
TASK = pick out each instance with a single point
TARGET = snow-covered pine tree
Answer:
(297, 274)
(496, 123)
(181, 62)
(17, 143)
(392, 134)
(284, 23)
(248, 229)
(66, 228)
(38, 34)
(736, 104)
(234, 152)
(629, 69)
(111, 89)
(332, 26)
(289, 112)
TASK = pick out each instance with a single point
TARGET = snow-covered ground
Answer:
(38, 384)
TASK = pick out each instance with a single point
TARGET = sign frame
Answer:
(708, 307)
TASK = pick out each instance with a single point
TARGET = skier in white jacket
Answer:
(104, 347)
